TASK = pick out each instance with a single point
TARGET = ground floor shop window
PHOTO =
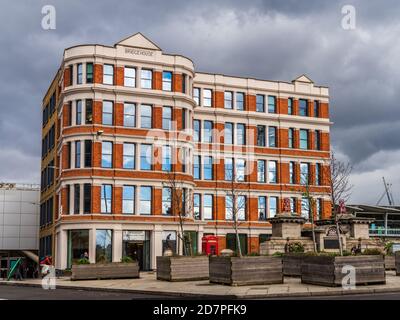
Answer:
(191, 237)
(78, 246)
(169, 241)
(103, 246)
(231, 242)
(136, 245)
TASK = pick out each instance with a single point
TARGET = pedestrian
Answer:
(18, 275)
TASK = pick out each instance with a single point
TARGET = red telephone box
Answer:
(210, 245)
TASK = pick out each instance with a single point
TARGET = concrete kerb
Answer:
(220, 296)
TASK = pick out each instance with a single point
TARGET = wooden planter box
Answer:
(397, 263)
(182, 268)
(327, 271)
(237, 271)
(115, 270)
(390, 263)
(292, 264)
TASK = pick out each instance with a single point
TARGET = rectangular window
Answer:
(184, 118)
(129, 156)
(228, 99)
(89, 72)
(71, 74)
(228, 133)
(292, 172)
(129, 115)
(106, 198)
(108, 107)
(130, 77)
(78, 113)
(303, 139)
(319, 208)
(208, 166)
(166, 158)
(262, 208)
(316, 108)
(291, 138)
(318, 174)
(293, 205)
(88, 153)
(196, 167)
(167, 81)
(167, 118)
(260, 104)
(303, 107)
(228, 207)
(208, 206)
(273, 206)
(207, 98)
(145, 200)
(261, 136)
(317, 140)
(87, 198)
(304, 173)
(103, 246)
(197, 206)
(197, 130)
(146, 116)
(128, 200)
(239, 100)
(79, 73)
(271, 104)
(196, 95)
(77, 154)
(272, 137)
(184, 79)
(167, 201)
(77, 198)
(106, 154)
(240, 134)
(272, 172)
(290, 106)
(89, 111)
(305, 208)
(241, 208)
(146, 78)
(108, 74)
(229, 169)
(240, 169)
(261, 170)
(208, 128)
(146, 157)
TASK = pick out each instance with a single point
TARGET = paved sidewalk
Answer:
(292, 287)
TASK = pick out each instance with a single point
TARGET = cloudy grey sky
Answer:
(274, 39)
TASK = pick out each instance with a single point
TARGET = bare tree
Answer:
(338, 179)
(181, 206)
(235, 198)
(337, 175)
(310, 203)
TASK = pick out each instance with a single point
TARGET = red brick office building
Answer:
(118, 120)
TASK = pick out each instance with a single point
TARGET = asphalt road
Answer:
(8, 292)
(376, 296)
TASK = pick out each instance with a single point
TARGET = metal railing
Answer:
(384, 232)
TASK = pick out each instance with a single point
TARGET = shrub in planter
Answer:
(248, 270)
(126, 259)
(327, 269)
(182, 268)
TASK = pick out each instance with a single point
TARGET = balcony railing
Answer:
(390, 232)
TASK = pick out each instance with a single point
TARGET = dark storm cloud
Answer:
(276, 40)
